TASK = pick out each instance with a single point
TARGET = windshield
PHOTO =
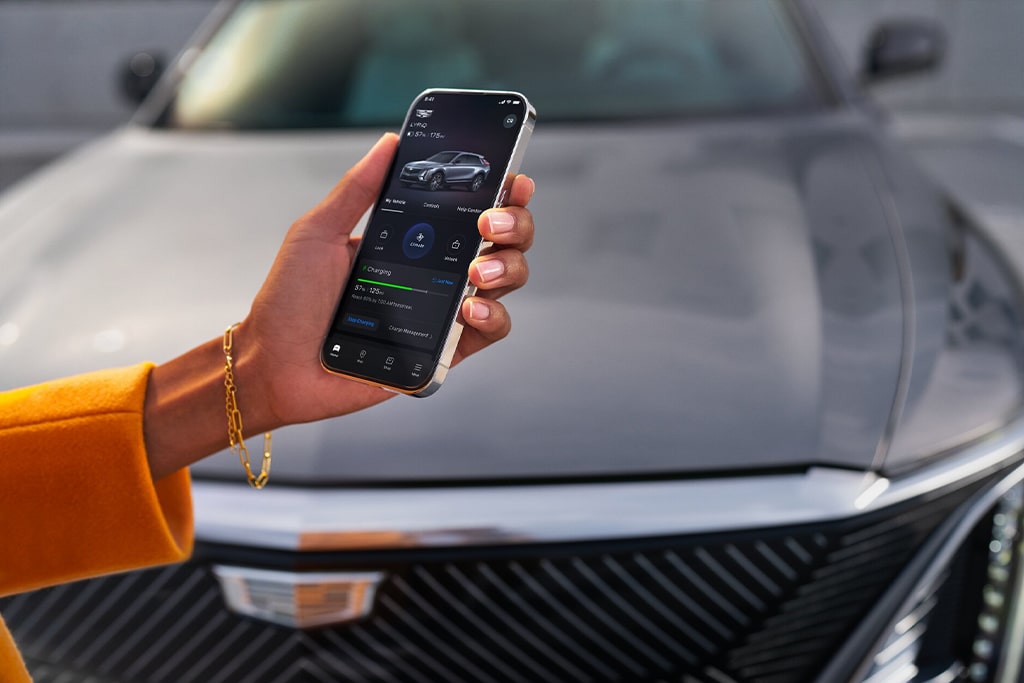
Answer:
(283, 64)
(443, 157)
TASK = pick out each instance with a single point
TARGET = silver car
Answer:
(762, 400)
(447, 168)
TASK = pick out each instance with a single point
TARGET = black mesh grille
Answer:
(768, 606)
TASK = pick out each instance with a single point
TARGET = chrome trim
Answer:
(1012, 662)
(292, 518)
(923, 572)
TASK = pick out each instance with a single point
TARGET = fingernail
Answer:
(479, 311)
(533, 187)
(490, 269)
(501, 222)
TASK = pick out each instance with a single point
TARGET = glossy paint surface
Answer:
(707, 296)
(710, 294)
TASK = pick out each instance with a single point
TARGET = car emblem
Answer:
(424, 113)
(298, 599)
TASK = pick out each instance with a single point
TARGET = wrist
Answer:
(252, 379)
(183, 417)
(235, 422)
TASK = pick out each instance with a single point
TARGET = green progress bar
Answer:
(388, 284)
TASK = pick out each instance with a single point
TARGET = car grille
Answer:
(766, 605)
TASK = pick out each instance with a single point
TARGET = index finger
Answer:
(521, 191)
(512, 224)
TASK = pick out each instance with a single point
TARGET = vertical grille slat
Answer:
(788, 572)
(36, 616)
(74, 612)
(682, 598)
(306, 671)
(327, 665)
(459, 631)
(94, 651)
(620, 630)
(753, 571)
(491, 634)
(581, 626)
(191, 647)
(706, 589)
(119, 587)
(437, 644)
(505, 613)
(128, 647)
(240, 659)
(769, 606)
(782, 638)
(502, 622)
(798, 550)
(346, 652)
(633, 616)
(407, 646)
(164, 646)
(567, 643)
(221, 649)
(735, 585)
(680, 625)
(397, 657)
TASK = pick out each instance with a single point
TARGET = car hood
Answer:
(978, 159)
(699, 306)
(423, 164)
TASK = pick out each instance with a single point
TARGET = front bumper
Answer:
(714, 580)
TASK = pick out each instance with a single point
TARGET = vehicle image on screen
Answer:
(763, 392)
(444, 169)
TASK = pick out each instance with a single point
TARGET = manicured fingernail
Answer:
(533, 187)
(490, 269)
(501, 222)
(479, 311)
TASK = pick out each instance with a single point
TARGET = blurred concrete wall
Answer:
(59, 61)
(984, 66)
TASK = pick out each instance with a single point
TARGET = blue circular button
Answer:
(418, 240)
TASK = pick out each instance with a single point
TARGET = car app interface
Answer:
(412, 266)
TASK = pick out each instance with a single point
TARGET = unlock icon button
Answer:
(456, 245)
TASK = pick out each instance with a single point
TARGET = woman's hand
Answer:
(290, 315)
(277, 347)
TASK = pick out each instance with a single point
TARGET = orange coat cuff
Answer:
(76, 496)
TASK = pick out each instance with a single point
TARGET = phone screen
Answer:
(399, 305)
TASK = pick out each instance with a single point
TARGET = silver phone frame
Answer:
(454, 330)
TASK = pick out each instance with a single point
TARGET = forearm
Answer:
(276, 359)
(185, 418)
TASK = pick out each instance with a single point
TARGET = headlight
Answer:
(962, 620)
(966, 379)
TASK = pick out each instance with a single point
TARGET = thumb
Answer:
(345, 204)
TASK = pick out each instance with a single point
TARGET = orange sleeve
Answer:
(76, 497)
(12, 668)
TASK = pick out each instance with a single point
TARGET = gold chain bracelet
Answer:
(235, 420)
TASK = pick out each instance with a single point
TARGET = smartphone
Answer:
(395, 325)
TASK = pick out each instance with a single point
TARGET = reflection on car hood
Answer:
(694, 306)
(978, 159)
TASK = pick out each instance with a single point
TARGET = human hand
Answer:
(276, 349)
(278, 344)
